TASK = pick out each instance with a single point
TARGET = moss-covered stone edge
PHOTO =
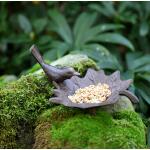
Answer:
(64, 127)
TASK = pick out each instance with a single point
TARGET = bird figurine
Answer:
(54, 74)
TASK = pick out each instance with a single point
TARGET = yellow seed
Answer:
(91, 94)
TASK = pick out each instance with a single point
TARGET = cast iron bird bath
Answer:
(67, 83)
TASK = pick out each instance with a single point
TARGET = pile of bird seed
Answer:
(91, 94)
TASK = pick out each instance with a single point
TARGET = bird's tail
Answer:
(35, 52)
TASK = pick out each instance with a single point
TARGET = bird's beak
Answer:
(77, 74)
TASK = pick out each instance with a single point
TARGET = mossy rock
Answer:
(21, 102)
(62, 127)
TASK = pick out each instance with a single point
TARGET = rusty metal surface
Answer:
(69, 86)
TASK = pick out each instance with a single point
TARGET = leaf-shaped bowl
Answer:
(92, 77)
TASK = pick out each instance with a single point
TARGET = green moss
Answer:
(64, 127)
(83, 66)
(8, 134)
(20, 103)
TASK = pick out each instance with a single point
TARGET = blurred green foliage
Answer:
(114, 34)
(25, 23)
(134, 15)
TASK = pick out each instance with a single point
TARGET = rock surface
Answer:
(123, 103)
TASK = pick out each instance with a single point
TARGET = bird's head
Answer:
(71, 72)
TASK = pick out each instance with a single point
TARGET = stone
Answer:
(123, 103)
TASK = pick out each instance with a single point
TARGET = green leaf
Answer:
(145, 68)
(132, 88)
(105, 9)
(95, 51)
(61, 48)
(145, 96)
(45, 39)
(83, 32)
(143, 42)
(94, 31)
(40, 24)
(123, 6)
(110, 62)
(127, 17)
(50, 55)
(145, 76)
(56, 51)
(99, 9)
(85, 20)
(108, 27)
(144, 28)
(129, 74)
(143, 90)
(24, 23)
(109, 7)
(18, 39)
(44, 47)
(114, 38)
(148, 136)
(81, 27)
(141, 61)
(61, 26)
(131, 57)
(102, 56)
(143, 106)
